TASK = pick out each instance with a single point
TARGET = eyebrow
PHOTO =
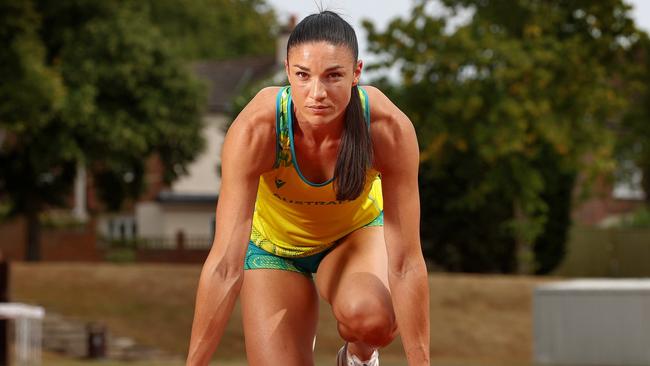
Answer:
(303, 68)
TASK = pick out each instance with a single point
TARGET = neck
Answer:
(319, 133)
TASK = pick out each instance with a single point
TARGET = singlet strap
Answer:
(283, 147)
(365, 104)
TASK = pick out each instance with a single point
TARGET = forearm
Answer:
(216, 296)
(410, 292)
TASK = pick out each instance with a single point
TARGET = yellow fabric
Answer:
(294, 218)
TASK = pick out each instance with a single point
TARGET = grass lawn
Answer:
(55, 360)
(475, 319)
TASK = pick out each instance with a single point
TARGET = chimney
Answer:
(283, 38)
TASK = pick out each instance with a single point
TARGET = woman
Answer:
(319, 177)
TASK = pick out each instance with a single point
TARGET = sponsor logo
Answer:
(309, 203)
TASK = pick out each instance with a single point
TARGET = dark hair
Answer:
(355, 152)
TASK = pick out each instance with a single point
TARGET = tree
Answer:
(215, 29)
(92, 83)
(509, 108)
(31, 92)
(634, 135)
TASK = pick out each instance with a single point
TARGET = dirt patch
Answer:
(473, 317)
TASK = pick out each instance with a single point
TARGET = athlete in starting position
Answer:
(318, 177)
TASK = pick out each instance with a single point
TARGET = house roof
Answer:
(226, 78)
(171, 197)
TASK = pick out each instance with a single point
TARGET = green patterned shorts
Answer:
(258, 258)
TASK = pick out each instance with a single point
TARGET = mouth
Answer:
(318, 109)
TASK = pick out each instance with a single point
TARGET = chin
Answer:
(320, 119)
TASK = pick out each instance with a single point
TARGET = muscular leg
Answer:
(353, 278)
(280, 312)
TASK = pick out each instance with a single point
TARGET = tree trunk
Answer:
(33, 253)
(525, 256)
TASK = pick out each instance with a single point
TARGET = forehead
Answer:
(317, 53)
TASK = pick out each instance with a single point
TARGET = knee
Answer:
(367, 320)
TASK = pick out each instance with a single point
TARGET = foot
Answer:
(345, 358)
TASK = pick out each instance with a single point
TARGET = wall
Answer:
(149, 217)
(203, 177)
(194, 221)
(65, 244)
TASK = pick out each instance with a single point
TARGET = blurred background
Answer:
(533, 120)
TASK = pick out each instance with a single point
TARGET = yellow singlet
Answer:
(296, 218)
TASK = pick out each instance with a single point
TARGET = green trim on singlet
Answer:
(280, 123)
(366, 105)
(278, 145)
(283, 151)
(293, 149)
(378, 221)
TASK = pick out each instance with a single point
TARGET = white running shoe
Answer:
(345, 358)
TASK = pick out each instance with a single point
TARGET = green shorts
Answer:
(258, 258)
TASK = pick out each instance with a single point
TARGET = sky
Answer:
(381, 11)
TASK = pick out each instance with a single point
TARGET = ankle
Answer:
(361, 350)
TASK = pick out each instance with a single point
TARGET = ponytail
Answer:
(355, 152)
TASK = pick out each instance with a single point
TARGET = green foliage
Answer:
(130, 96)
(93, 83)
(507, 109)
(459, 238)
(639, 219)
(633, 148)
(31, 94)
(549, 248)
(120, 255)
(4, 211)
(215, 29)
(248, 93)
(60, 219)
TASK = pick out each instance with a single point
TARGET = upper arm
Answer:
(397, 159)
(248, 151)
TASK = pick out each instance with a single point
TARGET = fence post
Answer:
(4, 297)
(96, 340)
(180, 246)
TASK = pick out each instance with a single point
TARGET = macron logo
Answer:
(279, 183)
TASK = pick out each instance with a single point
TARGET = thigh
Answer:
(279, 310)
(353, 277)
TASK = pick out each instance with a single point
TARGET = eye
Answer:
(301, 74)
(336, 75)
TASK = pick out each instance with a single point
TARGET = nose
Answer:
(318, 91)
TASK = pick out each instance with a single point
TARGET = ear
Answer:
(357, 72)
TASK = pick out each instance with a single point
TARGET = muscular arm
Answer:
(248, 151)
(397, 158)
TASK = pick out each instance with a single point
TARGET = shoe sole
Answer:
(341, 357)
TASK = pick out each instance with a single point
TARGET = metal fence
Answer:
(160, 243)
(188, 242)
(27, 334)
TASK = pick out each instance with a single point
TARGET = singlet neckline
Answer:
(293, 149)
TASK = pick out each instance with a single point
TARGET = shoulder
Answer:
(252, 134)
(392, 132)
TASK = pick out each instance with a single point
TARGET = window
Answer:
(627, 185)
